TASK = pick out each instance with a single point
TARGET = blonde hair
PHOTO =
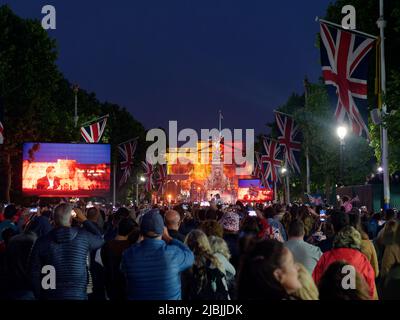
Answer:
(218, 245)
(309, 290)
(197, 241)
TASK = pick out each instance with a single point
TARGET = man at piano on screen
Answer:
(50, 181)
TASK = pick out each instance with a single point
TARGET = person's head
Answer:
(331, 284)
(388, 235)
(390, 214)
(345, 198)
(269, 212)
(10, 211)
(152, 225)
(172, 219)
(250, 225)
(239, 206)
(51, 172)
(126, 226)
(355, 222)
(93, 214)
(339, 220)
(268, 271)
(308, 290)
(230, 222)
(201, 215)
(211, 214)
(197, 241)
(296, 229)
(218, 245)
(347, 237)
(122, 212)
(47, 213)
(212, 228)
(63, 215)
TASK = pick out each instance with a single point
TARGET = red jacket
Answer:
(351, 256)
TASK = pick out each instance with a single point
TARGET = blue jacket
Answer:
(66, 249)
(152, 269)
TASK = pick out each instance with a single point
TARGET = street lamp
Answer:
(342, 133)
(141, 179)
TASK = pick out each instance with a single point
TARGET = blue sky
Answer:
(184, 60)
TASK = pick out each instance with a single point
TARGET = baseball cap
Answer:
(152, 222)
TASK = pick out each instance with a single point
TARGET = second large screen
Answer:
(51, 169)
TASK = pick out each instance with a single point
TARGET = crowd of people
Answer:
(188, 252)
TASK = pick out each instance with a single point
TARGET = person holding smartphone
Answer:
(66, 249)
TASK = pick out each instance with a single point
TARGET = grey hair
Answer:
(219, 245)
(62, 215)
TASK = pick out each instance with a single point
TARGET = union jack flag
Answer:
(126, 150)
(149, 173)
(289, 139)
(259, 171)
(345, 58)
(92, 133)
(161, 178)
(271, 158)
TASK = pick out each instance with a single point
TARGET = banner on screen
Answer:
(64, 170)
(251, 190)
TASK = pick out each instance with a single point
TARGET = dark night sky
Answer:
(186, 59)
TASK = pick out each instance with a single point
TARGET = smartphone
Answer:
(205, 204)
(322, 215)
(252, 213)
(73, 214)
(33, 210)
(185, 207)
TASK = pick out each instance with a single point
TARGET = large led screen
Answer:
(66, 170)
(251, 190)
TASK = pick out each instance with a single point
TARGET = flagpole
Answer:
(385, 162)
(340, 27)
(285, 114)
(114, 183)
(220, 122)
(308, 182)
(76, 118)
(95, 120)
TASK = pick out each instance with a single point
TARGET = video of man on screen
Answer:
(51, 169)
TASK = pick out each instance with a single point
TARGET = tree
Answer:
(28, 78)
(39, 100)
(315, 118)
(367, 15)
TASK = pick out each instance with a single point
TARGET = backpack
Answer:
(208, 283)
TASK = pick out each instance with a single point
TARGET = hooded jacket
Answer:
(351, 256)
(65, 249)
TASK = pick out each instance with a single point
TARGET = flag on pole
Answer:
(161, 178)
(93, 131)
(289, 139)
(272, 159)
(127, 151)
(149, 173)
(345, 60)
(259, 171)
(1, 121)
